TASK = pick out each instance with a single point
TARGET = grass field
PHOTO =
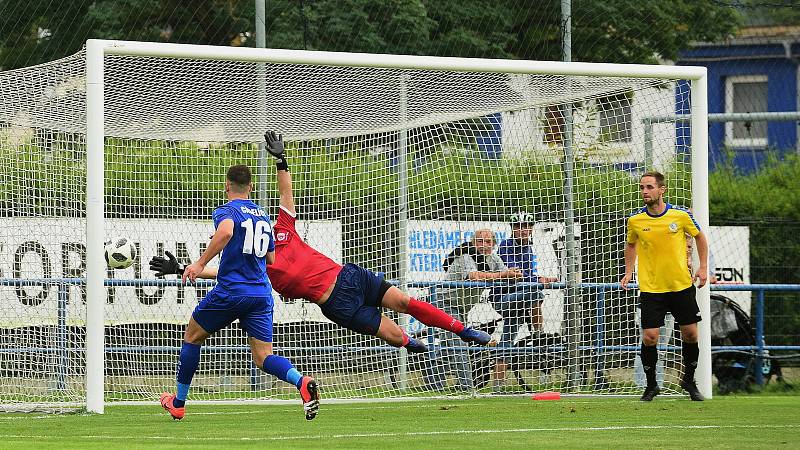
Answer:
(760, 421)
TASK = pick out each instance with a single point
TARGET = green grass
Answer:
(760, 421)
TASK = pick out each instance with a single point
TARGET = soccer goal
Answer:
(396, 161)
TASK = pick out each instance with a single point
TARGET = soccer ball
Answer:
(120, 253)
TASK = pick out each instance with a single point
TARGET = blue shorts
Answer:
(218, 310)
(354, 302)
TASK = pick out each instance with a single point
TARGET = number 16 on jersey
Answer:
(256, 238)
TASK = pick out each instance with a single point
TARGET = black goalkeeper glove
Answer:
(164, 266)
(276, 149)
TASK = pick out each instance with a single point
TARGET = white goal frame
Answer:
(96, 50)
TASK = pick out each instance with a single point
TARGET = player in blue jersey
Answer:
(244, 237)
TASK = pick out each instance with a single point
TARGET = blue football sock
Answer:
(187, 366)
(180, 397)
(283, 369)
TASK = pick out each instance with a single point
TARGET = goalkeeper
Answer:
(348, 295)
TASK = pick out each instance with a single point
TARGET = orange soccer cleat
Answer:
(166, 402)
(309, 391)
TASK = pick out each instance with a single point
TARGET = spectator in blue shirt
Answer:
(519, 304)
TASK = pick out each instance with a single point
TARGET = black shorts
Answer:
(656, 305)
(354, 302)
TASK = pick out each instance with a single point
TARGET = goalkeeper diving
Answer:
(350, 296)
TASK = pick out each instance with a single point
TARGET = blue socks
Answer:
(283, 369)
(190, 360)
(187, 366)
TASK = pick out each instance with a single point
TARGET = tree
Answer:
(37, 31)
(471, 28)
(770, 12)
(209, 22)
(370, 26)
(624, 31)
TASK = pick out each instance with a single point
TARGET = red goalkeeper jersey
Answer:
(299, 271)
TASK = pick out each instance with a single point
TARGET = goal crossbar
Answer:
(388, 61)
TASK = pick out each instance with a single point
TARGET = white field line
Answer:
(407, 434)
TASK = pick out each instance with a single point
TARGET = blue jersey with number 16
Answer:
(243, 266)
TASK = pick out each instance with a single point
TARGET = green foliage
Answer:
(33, 32)
(349, 25)
(769, 193)
(768, 12)
(36, 31)
(198, 22)
(625, 31)
(183, 180)
(767, 202)
(469, 28)
(45, 183)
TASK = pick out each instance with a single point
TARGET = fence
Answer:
(598, 347)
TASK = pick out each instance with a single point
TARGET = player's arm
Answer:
(218, 242)
(285, 190)
(630, 255)
(476, 275)
(630, 262)
(546, 280)
(511, 273)
(208, 273)
(170, 266)
(275, 148)
(270, 258)
(702, 251)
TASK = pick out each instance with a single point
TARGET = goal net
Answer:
(394, 167)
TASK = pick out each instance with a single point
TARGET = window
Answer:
(614, 116)
(745, 94)
(553, 125)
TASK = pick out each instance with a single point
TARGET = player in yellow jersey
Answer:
(657, 235)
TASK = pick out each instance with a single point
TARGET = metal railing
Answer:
(597, 347)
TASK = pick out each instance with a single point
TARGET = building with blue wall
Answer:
(756, 71)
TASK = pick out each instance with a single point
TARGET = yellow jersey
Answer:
(661, 248)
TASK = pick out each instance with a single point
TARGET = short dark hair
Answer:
(657, 175)
(240, 176)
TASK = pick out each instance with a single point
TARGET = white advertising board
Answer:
(429, 242)
(36, 248)
(729, 260)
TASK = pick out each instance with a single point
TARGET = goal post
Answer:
(699, 141)
(95, 226)
(396, 160)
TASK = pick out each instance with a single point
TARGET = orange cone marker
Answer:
(546, 396)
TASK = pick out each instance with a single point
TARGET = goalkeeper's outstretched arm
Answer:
(285, 190)
(275, 148)
(170, 266)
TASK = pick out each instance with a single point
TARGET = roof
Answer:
(773, 34)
